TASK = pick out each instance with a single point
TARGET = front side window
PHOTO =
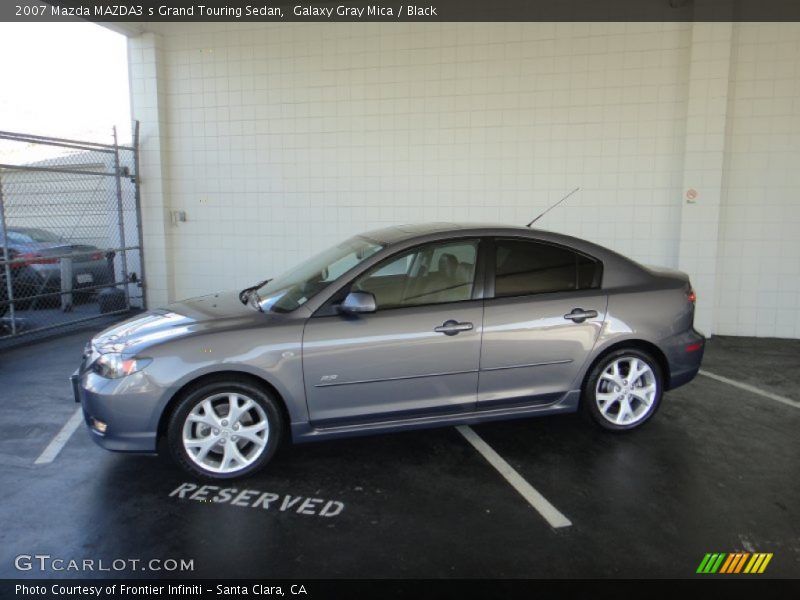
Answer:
(431, 274)
(295, 287)
(524, 267)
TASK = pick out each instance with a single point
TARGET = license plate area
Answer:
(84, 278)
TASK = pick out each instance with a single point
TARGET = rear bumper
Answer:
(127, 406)
(84, 274)
(683, 377)
(684, 354)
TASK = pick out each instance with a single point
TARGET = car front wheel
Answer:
(225, 429)
(623, 390)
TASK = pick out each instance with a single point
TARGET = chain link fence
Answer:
(70, 232)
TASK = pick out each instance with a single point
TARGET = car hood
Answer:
(221, 311)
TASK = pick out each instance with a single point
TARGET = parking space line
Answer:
(550, 513)
(752, 389)
(49, 454)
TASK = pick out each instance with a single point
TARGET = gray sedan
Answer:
(402, 328)
(36, 268)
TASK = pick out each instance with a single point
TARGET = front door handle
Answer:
(579, 315)
(452, 327)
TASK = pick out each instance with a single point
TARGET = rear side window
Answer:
(524, 267)
(589, 272)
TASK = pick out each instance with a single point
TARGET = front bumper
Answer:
(128, 406)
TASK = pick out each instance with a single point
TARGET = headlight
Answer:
(114, 366)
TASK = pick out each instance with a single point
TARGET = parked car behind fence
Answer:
(36, 266)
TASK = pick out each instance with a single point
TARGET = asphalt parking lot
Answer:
(715, 471)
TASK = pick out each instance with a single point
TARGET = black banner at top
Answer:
(399, 10)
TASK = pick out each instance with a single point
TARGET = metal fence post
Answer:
(137, 197)
(66, 283)
(7, 258)
(120, 213)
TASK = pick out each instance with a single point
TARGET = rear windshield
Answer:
(32, 235)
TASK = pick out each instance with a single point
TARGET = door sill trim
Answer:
(307, 432)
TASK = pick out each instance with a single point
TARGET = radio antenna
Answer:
(552, 207)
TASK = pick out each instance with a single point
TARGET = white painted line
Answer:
(752, 389)
(62, 437)
(550, 513)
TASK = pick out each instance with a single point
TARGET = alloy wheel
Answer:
(626, 390)
(225, 432)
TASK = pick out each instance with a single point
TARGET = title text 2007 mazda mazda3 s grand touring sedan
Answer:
(401, 328)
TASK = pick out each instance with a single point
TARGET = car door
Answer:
(417, 354)
(543, 314)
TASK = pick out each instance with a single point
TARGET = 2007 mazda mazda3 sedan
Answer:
(401, 328)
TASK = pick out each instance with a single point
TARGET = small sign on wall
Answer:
(691, 196)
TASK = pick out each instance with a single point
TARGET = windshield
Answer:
(295, 287)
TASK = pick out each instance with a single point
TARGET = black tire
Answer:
(209, 389)
(590, 400)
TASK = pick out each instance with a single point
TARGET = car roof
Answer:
(401, 233)
(424, 232)
(619, 269)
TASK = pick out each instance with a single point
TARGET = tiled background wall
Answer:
(278, 141)
(758, 274)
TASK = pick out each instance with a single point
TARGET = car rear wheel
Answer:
(225, 429)
(623, 390)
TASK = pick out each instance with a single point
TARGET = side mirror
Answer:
(358, 302)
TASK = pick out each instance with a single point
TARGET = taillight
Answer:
(97, 256)
(34, 258)
(691, 296)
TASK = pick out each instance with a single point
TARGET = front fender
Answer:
(277, 362)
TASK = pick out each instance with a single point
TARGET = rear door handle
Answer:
(452, 327)
(579, 315)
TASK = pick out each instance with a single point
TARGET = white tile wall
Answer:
(284, 139)
(279, 140)
(709, 71)
(148, 102)
(758, 276)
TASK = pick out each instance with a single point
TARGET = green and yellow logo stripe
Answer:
(730, 563)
